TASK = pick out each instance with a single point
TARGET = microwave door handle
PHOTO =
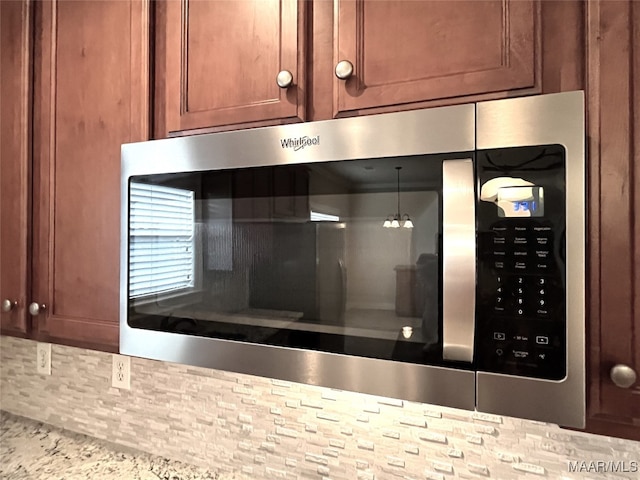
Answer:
(458, 260)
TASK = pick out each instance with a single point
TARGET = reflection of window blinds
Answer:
(161, 239)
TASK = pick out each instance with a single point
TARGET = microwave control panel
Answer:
(520, 297)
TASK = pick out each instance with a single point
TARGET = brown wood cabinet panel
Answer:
(91, 96)
(557, 62)
(406, 51)
(614, 161)
(267, 193)
(16, 56)
(562, 29)
(407, 54)
(217, 63)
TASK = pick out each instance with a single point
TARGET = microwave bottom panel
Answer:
(420, 383)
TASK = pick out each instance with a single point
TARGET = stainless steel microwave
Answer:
(434, 255)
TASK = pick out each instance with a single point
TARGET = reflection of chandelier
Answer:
(397, 220)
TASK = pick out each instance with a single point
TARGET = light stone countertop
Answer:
(33, 450)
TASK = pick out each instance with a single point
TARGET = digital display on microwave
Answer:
(526, 201)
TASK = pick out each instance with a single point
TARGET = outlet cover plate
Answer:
(43, 358)
(121, 372)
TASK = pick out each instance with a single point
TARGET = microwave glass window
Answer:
(297, 255)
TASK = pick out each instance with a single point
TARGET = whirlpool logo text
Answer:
(300, 142)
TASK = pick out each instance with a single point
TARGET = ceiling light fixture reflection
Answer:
(407, 332)
(397, 220)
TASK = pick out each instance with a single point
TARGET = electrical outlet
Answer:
(43, 358)
(121, 372)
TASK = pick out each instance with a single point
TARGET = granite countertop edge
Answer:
(30, 449)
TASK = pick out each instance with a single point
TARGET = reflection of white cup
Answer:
(514, 197)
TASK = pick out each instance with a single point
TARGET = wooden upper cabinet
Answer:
(613, 91)
(16, 57)
(408, 51)
(217, 63)
(91, 95)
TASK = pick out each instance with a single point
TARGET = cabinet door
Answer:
(217, 63)
(409, 51)
(614, 162)
(91, 95)
(15, 155)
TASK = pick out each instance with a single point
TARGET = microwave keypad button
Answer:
(542, 254)
(520, 266)
(520, 254)
(520, 354)
(499, 336)
(521, 240)
(542, 340)
(542, 266)
(540, 281)
(542, 356)
(542, 240)
(490, 242)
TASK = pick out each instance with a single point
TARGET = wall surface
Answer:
(269, 429)
(374, 252)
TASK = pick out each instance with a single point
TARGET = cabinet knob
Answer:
(344, 69)
(623, 376)
(7, 305)
(284, 79)
(36, 308)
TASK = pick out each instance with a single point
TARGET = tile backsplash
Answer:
(261, 428)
